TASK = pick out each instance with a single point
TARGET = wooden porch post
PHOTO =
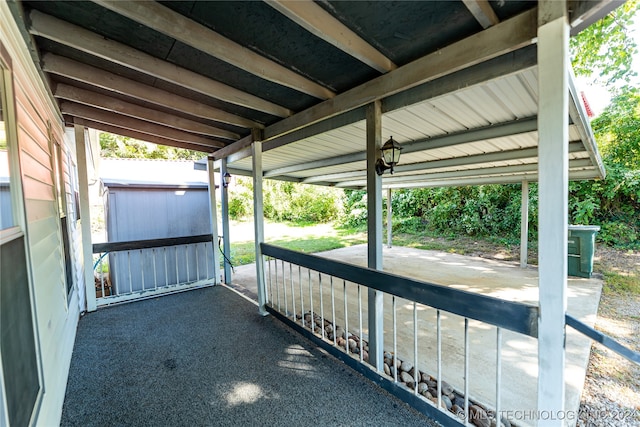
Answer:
(224, 207)
(213, 208)
(374, 233)
(258, 221)
(524, 225)
(85, 217)
(553, 113)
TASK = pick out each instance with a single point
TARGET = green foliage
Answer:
(473, 211)
(286, 201)
(354, 208)
(606, 47)
(618, 129)
(116, 146)
(614, 203)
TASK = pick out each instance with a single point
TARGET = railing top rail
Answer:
(150, 243)
(603, 339)
(514, 316)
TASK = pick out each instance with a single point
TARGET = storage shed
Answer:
(151, 199)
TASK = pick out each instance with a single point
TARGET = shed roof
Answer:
(148, 174)
(457, 81)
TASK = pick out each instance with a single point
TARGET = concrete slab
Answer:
(506, 280)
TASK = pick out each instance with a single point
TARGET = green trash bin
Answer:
(581, 247)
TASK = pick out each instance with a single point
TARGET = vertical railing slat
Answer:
(301, 295)
(346, 316)
(439, 358)
(284, 291)
(333, 311)
(466, 370)
(321, 306)
(293, 296)
(415, 349)
(498, 371)
(395, 340)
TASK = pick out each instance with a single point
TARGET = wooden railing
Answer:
(142, 268)
(322, 299)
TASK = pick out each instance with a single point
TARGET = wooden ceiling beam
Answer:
(482, 11)
(114, 119)
(78, 38)
(93, 76)
(179, 27)
(141, 136)
(322, 24)
(98, 100)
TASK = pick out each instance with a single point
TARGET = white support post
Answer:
(213, 209)
(85, 217)
(524, 225)
(374, 233)
(389, 219)
(258, 221)
(553, 114)
(226, 237)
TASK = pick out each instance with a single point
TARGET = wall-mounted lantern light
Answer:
(390, 156)
(226, 179)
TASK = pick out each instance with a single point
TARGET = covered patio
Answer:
(475, 92)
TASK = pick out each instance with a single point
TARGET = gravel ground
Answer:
(611, 395)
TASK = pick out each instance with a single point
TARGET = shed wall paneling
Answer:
(55, 323)
(152, 213)
(139, 214)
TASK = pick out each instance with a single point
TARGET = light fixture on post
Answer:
(390, 156)
(226, 179)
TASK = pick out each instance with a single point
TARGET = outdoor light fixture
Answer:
(390, 156)
(227, 179)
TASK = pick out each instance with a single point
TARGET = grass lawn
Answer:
(308, 238)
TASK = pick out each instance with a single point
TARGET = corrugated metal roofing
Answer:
(500, 101)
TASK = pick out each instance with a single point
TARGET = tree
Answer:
(617, 129)
(128, 148)
(606, 47)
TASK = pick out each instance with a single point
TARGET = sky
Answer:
(597, 96)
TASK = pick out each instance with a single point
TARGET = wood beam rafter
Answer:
(104, 127)
(322, 24)
(114, 119)
(98, 100)
(179, 27)
(70, 35)
(93, 76)
(482, 11)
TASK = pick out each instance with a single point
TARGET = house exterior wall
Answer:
(56, 313)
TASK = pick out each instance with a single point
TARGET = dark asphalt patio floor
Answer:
(207, 358)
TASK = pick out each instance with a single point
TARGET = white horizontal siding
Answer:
(56, 324)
